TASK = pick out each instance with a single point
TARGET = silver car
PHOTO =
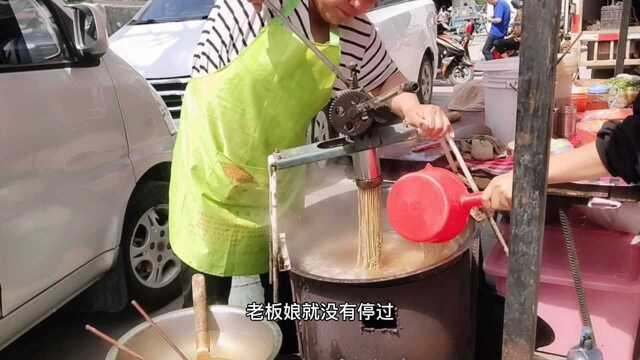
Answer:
(85, 151)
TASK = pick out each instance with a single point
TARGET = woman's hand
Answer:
(498, 194)
(430, 120)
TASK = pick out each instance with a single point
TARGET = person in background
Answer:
(500, 25)
(510, 45)
(616, 152)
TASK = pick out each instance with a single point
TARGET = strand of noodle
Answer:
(370, 227)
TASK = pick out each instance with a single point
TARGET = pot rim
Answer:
(114, 351)
(470, 233)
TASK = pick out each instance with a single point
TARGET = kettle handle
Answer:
(471, 201)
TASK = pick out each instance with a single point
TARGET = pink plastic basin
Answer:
(610, 267)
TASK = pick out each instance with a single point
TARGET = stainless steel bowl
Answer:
(233, 336)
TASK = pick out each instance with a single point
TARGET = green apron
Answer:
(231, 121)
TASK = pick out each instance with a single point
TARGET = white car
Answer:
(160, 40)
(85, 152)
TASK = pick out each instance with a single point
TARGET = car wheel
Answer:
(425, 80)
(152, 269)
(460, 74)
(320, 130)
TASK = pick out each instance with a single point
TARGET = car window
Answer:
(29, 34)
(175, 10)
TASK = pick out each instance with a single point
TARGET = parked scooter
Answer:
(469, 32)
(455, 66)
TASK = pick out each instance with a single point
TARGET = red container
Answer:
(596, 102)
(430, 206)
(580, 102)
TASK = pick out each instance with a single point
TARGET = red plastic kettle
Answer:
(430, 206)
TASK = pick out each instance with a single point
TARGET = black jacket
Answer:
(618, 145)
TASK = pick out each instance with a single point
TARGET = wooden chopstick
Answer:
(113, 342)
(159, 330)
(474, 187)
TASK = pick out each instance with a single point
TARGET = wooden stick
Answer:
(474, 187)
(112, 341)
(447, 154)
(201, 312)
(159, 330)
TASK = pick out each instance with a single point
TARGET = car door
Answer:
(64, 166)
(406, 28)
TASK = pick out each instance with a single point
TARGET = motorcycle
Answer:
(455, 65)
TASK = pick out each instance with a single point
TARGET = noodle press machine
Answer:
(364, 123)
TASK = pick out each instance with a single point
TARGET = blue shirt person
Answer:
(500, 25)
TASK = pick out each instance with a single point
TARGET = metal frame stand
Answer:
(535, 100)
(538, 57)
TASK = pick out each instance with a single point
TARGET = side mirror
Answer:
(90, 29)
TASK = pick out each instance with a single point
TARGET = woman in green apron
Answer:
(265, 88)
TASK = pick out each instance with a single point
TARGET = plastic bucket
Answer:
(500, 82)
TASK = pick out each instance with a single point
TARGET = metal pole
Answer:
(538, 55)
(622, 43)
(565, 17)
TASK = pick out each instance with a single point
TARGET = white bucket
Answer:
(500, 82)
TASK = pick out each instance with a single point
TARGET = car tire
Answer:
(425, 80)
(152, 269)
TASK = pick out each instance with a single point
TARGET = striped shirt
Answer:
(233, 24)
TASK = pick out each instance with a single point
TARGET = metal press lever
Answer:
(330, 149)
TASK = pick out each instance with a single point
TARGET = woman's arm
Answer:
(583, 163)
(430, 120)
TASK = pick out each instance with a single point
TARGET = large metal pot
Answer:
(432, 293)
(323, 243)
(232, 335)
